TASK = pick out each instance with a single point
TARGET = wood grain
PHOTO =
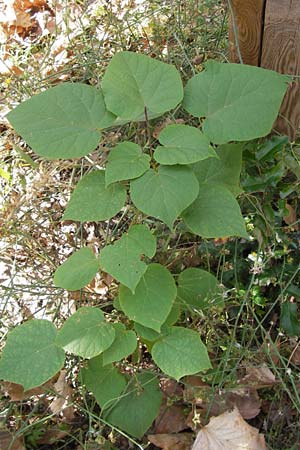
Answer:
(281, 52)
(248, 20)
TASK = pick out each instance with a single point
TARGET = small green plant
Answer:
(188, 178)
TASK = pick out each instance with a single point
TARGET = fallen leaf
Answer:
(61, 403)
(171, 388)
(171, 419)
(258, 377)
(229, 431)
(7, 441)
(16, 391)
(247, 402)
(179, 441)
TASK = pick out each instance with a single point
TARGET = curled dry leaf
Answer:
(178, 441)
(227, 432)
(60, 403)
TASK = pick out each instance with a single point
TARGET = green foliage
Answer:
(135, 84)
(182, 144)
(239, 102)
(86, 333)
(92, 201)
(104, 381)
(139, 405)
(187, 179)
(124, 344)
(289, 319)
(77, 271)
(64, 121)
(165, 193)
(215, 213)
(225, 170)
(122, 259)
(31, 356)
(199, 289)
(153, 299)
(180, 352)
(126, 162)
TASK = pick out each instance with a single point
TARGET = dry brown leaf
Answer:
(8, 442)
(291, 218)
(229, 431)
(247, 402)
(171, 388)
(171, 419)
(64, 391)
(258, 377)
(16, 391)
(179, 441)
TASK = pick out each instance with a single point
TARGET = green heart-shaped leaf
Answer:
(183, 144)
(86, 333)
(239, 102)
(77, 271)
(165, 193)
(215, 214)
(31, 356)
(64, 121)
(153, 299)
(122, 260)
(126, 162)
(134, 83)
(180, 352)
(92, 201)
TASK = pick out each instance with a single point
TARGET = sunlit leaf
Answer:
(64, 121)
(86, 333)
(135, 82)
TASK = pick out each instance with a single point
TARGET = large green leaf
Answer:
(180, 352)
(153, 299)
(150, 335)
(86, 333)
(225, 170)
(215, 214)
(64, 121)
(124, 344)
(122, 260)
(183, 144)
(92, 201)
(199, 288)
(31, 356)
(136, 410)
(165, 193)
(289, 321)
(125, 162)
(239, 102)
(134, 82)
(105, 382)
(77, 271)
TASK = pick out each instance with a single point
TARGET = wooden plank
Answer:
(247, 20)
(281, 52)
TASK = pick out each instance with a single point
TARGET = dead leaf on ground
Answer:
(171, 419)
(258, 377)
(7, 441)
(171, 388)
(227, 432)
(179, 441)
(61, 403)
(16, 391)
